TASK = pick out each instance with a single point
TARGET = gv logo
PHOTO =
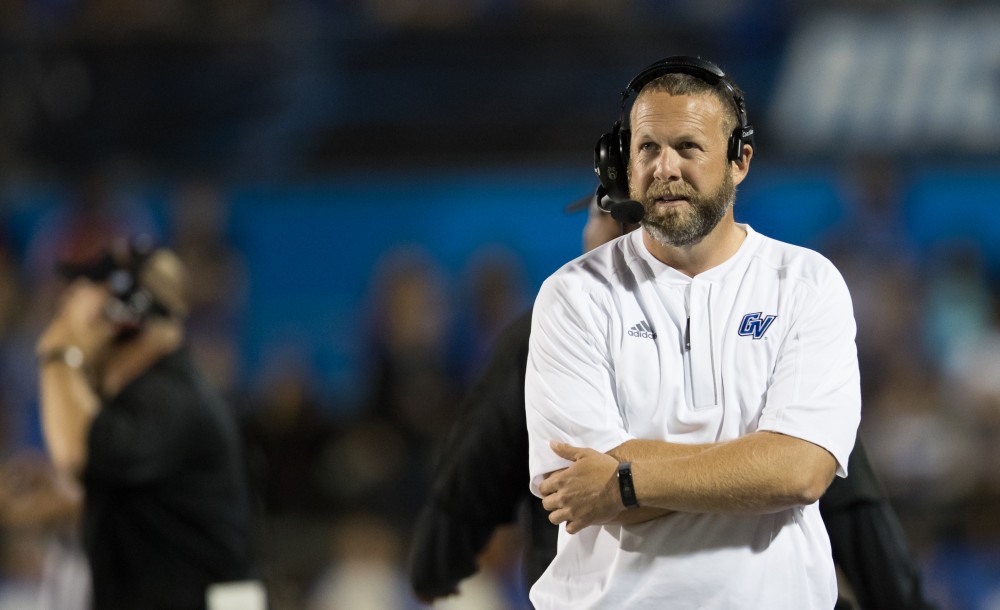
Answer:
(753, 325)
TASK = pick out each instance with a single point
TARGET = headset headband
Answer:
(684, 64)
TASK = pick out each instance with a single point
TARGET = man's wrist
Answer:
(69, 355)
(626, 486)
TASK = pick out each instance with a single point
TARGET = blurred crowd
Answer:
(338, 485)
(271, 87)
(266, 88)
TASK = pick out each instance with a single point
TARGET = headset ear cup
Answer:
(624, 144)
(736, 145)
(130, 304)
(616, 182)
(742, 136)
(609, 164)
(602, 159)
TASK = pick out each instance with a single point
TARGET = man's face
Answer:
(678, 168)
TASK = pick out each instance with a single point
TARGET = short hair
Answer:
(679, 83)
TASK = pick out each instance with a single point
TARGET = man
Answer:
(479, 486)
(166, 516)
(692, 388)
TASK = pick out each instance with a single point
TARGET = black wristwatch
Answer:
(625, 485)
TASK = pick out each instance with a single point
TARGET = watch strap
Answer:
(71, 356)
(625, 485)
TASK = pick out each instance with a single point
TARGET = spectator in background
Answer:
(937, 437)
(13, 415)
(39, 517)
(414, 381)
(974, 381)
(218, 284)
(166, 517)
(958, 303)
(11, 292)
(361, 475)
(496, 294)
(288, 434)
(287, 428)
(886, 296)
(363, 569)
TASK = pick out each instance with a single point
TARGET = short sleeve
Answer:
(815, 391)
(569, 381)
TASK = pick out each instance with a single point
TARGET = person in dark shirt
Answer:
(166, 518)
(481, 482)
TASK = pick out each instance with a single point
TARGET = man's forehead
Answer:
(658, 105)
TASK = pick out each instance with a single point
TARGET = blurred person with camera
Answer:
(167, 516)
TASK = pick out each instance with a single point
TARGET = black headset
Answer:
(131, 303)
(611, 155)
(120, 267)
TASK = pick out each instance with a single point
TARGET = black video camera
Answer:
(120, 267)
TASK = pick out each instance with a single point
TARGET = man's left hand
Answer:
(586, 492)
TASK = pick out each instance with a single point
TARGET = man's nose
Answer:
(667, 165)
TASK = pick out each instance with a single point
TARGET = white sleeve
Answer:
(569, 382)
(815, 391)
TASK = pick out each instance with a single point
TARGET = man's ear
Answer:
(741, 166)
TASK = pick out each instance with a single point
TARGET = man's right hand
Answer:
(80, 322)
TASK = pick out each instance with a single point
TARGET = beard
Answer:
(689, 224)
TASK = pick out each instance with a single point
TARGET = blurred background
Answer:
(368, 190)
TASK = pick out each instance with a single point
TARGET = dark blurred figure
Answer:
(961, 515)
(218, 279)
(287, 430)
(288, 433)
(414, 384)
(362, 568)
(11, 293)
(496, 294)
(481, 482)
(167, 516)
(15, 418)
(878, 259)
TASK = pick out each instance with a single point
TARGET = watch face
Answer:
(73, 357)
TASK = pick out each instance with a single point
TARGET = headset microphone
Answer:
(611, 154)
(626, 211)
(629, 211)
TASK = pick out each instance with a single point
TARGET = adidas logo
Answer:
(642, 330)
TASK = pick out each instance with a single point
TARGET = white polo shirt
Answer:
(624, 347)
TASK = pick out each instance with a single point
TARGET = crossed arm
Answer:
(758, 473)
